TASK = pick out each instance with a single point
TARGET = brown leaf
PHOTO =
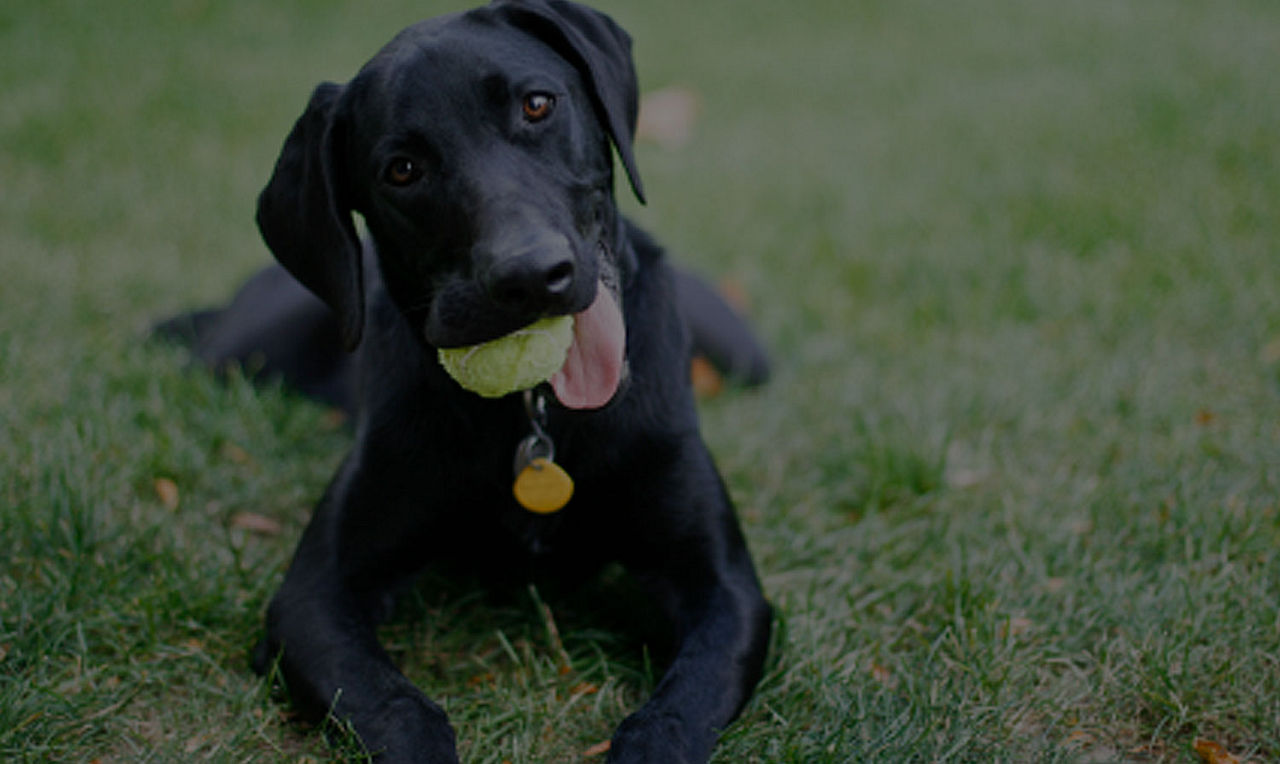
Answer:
(234, 453)
(598, 749)
(1214, 753)
(881, 674)
(667, 116)
(253, 522)
(707, 382)
(1015, 626)
(584, 688)
(735, 294)
(1078, 738)
(167, 491)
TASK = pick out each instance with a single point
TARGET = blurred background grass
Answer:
(1014, 488)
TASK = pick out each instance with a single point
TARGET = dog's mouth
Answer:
(595, 362)
(593, 367)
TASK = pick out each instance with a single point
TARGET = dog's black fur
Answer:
(486, 211)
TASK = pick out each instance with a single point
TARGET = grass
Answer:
(1015, 489)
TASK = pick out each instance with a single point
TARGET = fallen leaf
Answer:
(584, 688)
(1082, 527)
(251, 521)
(735, 294)
(1205, 417)
(881, 674)
(963, 478)
(233, 453)
(167, 492)
(598, 749)
(667, 116)
(1015, 626)
(707, 382)
(1214, 753)
(1078, 738)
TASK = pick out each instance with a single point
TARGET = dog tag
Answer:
(543, 487)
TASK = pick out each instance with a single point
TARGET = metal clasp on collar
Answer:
(541, 485)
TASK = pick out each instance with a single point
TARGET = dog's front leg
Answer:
(321, 624)
(692, 556)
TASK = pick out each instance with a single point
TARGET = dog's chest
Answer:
(535, 535)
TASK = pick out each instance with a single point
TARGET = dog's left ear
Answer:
(601, 51)
(305, 219)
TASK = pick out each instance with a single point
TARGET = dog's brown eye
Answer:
(402, 171)
(538, 106)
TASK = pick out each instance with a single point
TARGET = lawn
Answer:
(1014, 489)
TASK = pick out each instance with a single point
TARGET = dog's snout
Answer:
(534, 280)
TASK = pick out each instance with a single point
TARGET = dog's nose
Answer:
(537, 279)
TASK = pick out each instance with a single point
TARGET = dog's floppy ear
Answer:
(305, 219)
(601, 51)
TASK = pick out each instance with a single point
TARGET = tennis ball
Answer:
(517, 361)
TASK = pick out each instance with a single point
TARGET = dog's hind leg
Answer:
(273, 328)
(719, 332)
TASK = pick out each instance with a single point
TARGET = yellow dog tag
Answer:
(543, 487)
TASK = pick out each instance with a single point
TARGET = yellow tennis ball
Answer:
(517, 361)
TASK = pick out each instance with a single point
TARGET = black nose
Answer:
(535, 280)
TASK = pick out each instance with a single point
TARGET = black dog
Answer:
(478, 148)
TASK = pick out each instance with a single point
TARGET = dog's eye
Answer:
(402, 171)
(538, 106)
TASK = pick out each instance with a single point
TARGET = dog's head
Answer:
(476, 147)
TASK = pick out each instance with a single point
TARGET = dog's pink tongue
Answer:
(593, 367)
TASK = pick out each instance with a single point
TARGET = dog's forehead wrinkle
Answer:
(463, 49)
(444, 103)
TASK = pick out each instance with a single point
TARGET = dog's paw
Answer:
(263, 656)
(406, 728)
(654, 736)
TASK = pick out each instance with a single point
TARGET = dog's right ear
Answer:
(601, 51)
(305, 218)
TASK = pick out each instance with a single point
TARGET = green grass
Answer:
(1015, 489)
